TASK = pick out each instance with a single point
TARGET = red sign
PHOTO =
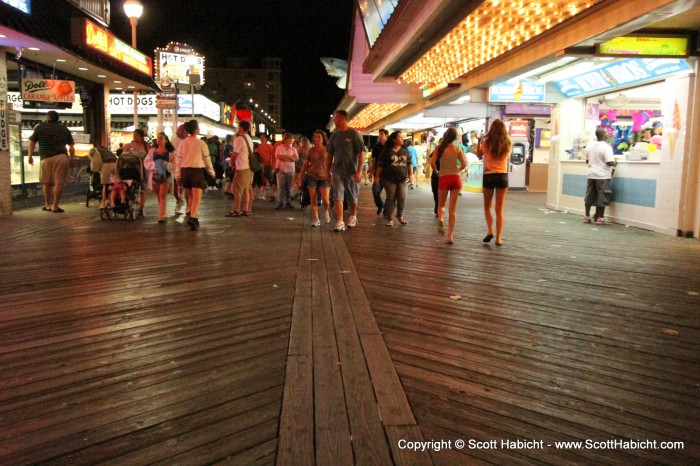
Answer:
(100, 39)
(519, 128)
(244, 115)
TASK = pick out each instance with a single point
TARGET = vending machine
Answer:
(517, 165)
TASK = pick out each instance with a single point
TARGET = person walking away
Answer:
(178, 191)
(365, 166)
(600, 160)
(393, 171)
(347, 149)
(495, 149)
(448, 162)
(303, 151)
(160, 158)
(377, 187)
(267, 154)
(139, 148)
(316, 169)
(53, 137)
(243, 177)
(228, 165)
(191, 161)
(413, 160)
(286, 156)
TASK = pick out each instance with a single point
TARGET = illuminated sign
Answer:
(647, 46)
(521, 91)
(22, 5)
(100, 39)
(147, 104)
(48, 90)
(620, 73)
(519, 128)
(177, 62)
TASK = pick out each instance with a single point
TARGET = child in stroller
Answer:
(126, 190)
(123, 200)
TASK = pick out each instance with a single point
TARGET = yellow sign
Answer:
(100, 39)
(645, 46)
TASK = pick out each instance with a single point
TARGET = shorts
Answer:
(106, 171)
(496, 181)
(259, 179)
(242, 179)
(192, 178)
(345, 188)
(450, 182)
(270, 175)
(598, 193)
(54, 170)
(314, 184)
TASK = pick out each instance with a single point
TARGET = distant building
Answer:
(244, 79)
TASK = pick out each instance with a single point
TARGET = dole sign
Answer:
(48, 90)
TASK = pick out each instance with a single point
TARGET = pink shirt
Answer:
(289, 151)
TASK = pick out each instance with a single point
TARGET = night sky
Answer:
(297, 31)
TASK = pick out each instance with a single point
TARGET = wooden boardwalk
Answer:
(261, 340)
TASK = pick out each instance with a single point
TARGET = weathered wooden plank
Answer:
(399, 436)
(296, 428)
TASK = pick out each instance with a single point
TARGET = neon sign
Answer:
(645, 46)
(100, 39)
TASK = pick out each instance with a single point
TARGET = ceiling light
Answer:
(33, 48)
(118, 88)
(61, 60)
(3, 35)
(117, 82)
(130, 87)
(101, 76)
(81, 68)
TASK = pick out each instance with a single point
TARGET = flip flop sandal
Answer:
(46, 209)
(234, 214)
(58, 211)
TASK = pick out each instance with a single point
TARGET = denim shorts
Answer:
(496, 180)
(313, 184)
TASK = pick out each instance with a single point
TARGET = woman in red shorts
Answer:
(448, 162)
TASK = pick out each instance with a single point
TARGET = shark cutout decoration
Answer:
(336, 68)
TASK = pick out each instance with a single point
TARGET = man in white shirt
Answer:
(599, 157)
(243, 178)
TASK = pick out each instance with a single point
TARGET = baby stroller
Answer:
(129, 208)
(94, 189)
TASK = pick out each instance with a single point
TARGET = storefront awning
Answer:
(49, 31)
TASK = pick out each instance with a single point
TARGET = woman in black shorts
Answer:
(495, 149)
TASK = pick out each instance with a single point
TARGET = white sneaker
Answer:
(339, 226)
(316, 223)
(352, 222)
(327, 216)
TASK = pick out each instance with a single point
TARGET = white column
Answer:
(5, 167)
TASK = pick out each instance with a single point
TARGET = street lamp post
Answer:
(133, 10)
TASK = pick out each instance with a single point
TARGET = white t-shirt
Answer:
(241, 148)
(598, 154)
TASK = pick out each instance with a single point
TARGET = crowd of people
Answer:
(319, 170)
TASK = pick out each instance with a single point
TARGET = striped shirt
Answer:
(52, 137)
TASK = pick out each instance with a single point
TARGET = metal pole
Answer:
(192, 90)
(133, 22)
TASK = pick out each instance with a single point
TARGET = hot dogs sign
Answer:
(48, 90)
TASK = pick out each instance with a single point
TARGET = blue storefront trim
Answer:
(633, 191)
